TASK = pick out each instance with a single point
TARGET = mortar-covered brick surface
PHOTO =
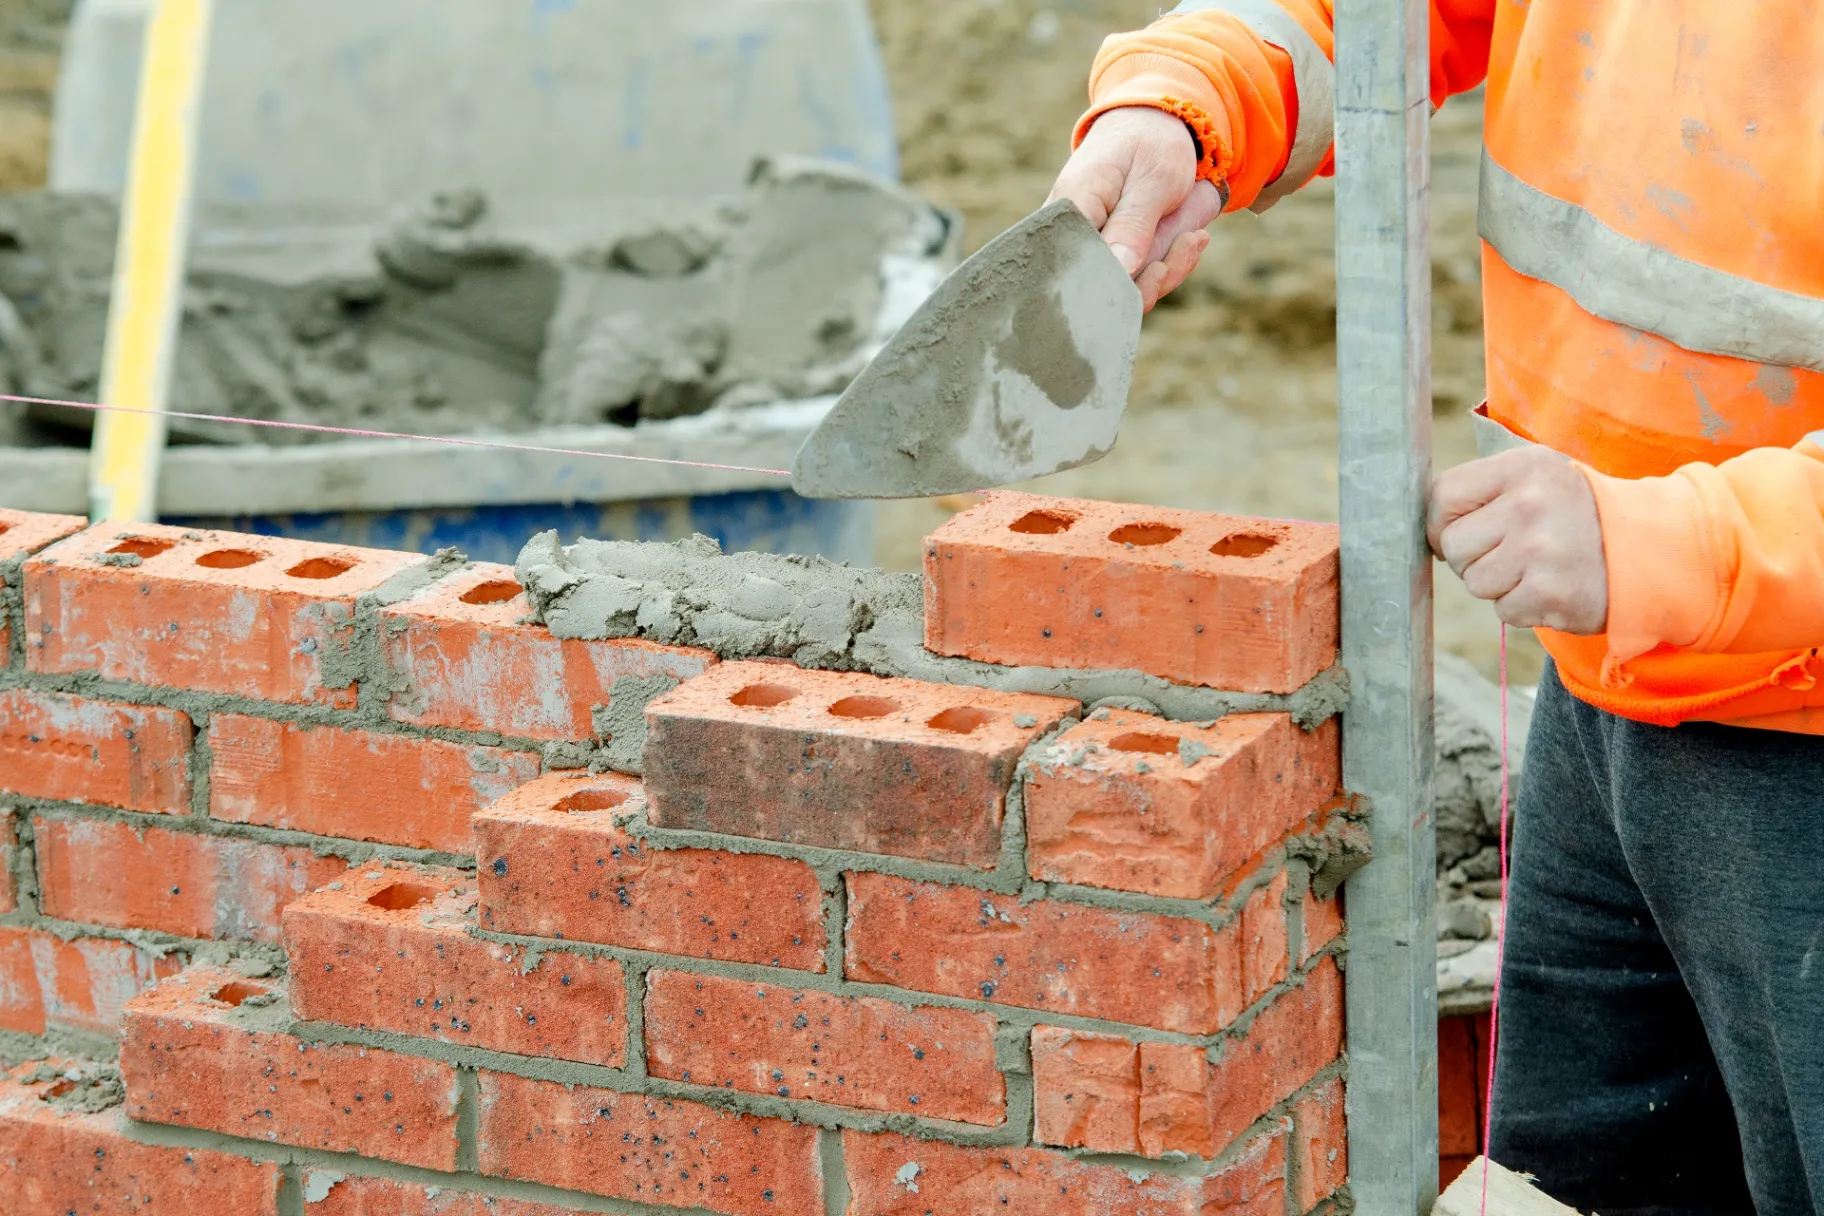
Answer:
(72, 749)
(554, 863)
(633, 1146)
(1134, 802)
(22, 534)
(204, 1051)
(57, 1157)
(875, 945)
(467, 659)
(357, 784)
(389, 948)
(1219, 600)
(841, 760)
(257, 617)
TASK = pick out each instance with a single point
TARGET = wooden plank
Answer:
(1509, 1194)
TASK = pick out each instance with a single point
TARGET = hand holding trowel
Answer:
(1020, 364)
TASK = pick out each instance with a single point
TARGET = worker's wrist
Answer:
(1664, 588)
(1160, 82)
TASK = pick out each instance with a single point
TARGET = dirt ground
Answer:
(1234, 400)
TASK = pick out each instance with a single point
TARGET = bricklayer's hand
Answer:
(1135, 177)
(1521, 529)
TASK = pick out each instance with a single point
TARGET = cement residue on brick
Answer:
(822, 614)
(78, 1089)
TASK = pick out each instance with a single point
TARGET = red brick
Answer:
(891, 1175)
(388, 948)
(57, 1159)
(876, 1055)
(550, 871)
(841, 760)
(1320, 1143)
(187, 617)
(1462, 1081)
(23, 533)
(128, 877)
(1323, 924)
(1189, 1105)
(193, 1055)
(353, 783)
(21, 997)
(1044, 954)
(1264, 938)
(1112, 803)
(381, 1197)
(9, 860)
(67, 749)
(87, 981)
(470, 663)
(1221, 600)
(1254, 1184)
(1085, 1090)
(631, 1146)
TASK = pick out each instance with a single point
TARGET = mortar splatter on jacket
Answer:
(1652, 215)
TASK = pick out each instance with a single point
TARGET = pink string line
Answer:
(1494, 1005)
(343, 430)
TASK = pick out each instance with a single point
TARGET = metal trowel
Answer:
(1017, 366)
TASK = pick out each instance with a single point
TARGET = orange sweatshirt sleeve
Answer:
(1222, 66)
(1719, 559)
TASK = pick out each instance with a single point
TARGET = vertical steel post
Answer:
(1383, 273)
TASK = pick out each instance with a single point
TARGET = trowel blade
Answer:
(1017, 366)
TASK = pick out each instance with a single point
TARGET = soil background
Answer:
(1234, 401)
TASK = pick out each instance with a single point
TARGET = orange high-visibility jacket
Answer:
(1652, 220)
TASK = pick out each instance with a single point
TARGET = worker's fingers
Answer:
(1466, 488)
(1548, 598)
(1135, 166)
(1093, 183)
(1495, 573)
(1469, 538)
(1164, 277)
(1199, 211)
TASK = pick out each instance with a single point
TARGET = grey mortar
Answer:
(621, 724)
(822, 614)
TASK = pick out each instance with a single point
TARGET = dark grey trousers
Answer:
(1662, 1002)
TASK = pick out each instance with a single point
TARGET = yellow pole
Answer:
(147, 302)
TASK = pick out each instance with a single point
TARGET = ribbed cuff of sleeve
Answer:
(1163, 82)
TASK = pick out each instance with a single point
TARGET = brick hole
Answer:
(5, 527)
(402, 895)
(1042, 523)
(864, 707)
(321, 567)
(1140, 741)
(591, 800)
(235, 992)
(57, 1088)
(1144, 534)
(763, 696)
(1244, 544)
(138, 546)
(961, 719)
(230, 559)
(497, 592)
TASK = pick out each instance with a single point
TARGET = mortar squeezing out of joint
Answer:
(1019, 365)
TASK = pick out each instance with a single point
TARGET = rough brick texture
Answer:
(1320, 1138)
(196, 1053)
(1138, 803)
(1064, 958)
(469, 663)
(354, 783)
(80, 983)
(1462, 1092)
(877, 1055)
(23, 533)
(342, 1196)
(1254, 1184)
(631, 1146)
(553, 864)
(389, 949)
(841, 760)
(247, 616)
(130, 877)
(68, 749)
(1224, 601)
(55, 1158)
(892, 1175)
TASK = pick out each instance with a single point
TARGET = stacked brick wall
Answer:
(310, 835)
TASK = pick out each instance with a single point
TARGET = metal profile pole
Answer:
(1383, 272)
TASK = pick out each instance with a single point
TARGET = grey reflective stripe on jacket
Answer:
(1311, 72)
(1637, 285)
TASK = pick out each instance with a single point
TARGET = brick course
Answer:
(70, 749)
